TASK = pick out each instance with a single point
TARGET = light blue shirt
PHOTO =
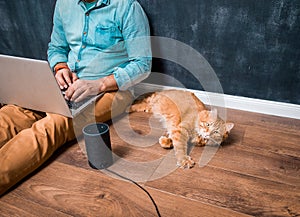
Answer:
(111, 37)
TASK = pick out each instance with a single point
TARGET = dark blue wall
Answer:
(25, 27)
(252, 45)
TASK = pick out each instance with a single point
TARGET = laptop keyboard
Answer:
(75, 105)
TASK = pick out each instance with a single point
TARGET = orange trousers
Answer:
(28, 138)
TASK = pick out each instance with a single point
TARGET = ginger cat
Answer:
(186, 119)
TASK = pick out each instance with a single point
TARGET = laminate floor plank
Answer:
(259, 139)
(242, 193)
(269, 166)
(281, 124)
(174, 205)
(14, 205)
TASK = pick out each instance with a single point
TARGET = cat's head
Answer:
(211, 128)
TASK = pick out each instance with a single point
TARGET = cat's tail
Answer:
(142, 104)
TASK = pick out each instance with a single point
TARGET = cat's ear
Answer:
(214, 114)
(229, 126)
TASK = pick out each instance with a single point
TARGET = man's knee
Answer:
(57, 127)
(112, 104)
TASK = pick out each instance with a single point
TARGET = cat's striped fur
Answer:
(186, 119)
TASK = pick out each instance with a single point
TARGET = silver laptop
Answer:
(31, 84)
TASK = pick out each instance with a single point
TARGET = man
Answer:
(96, 46)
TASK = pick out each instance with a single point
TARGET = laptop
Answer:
(30, 83)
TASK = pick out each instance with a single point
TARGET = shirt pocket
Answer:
(106, 37)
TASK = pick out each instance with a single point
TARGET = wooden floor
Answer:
(255, 173)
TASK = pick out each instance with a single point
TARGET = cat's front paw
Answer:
(199, 141)
(186, 163)
(165, 142)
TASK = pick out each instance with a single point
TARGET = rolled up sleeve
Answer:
(58, 48)
(136, 33)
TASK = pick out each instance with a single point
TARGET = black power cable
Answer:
(138, 185)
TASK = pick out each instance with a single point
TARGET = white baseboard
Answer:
(234, 102)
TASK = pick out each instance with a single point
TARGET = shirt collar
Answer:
(106, 2)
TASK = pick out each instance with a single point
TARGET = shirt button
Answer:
(84, 33)
(78, 60)
(87, 14)
(83, 46)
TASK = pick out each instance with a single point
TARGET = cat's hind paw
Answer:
(187, 163)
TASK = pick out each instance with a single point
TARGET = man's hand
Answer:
(65, 78)
(81, 89)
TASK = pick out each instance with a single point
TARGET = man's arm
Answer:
(136, 33)
(58, 48)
